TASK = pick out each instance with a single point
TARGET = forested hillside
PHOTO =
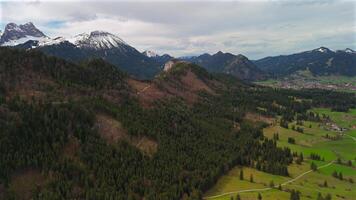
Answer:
(72, 129)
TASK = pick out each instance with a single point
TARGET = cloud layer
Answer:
(253, 28)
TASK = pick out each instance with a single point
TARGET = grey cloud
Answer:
(257, 28)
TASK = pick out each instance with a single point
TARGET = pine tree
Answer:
(301, 157)
(241, 175)
(325, 183)
(327, 197)
(279, 187)
(319, 197)
(238, 197)
(335, 175)
(341, 176)
(313, 166)
(251, 178)
(271, 184)
(349, 163)
(295, 195)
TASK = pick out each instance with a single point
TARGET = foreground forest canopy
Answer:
(84, 131)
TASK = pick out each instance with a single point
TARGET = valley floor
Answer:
(338, 83)
(308, 182)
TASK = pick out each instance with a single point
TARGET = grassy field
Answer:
(311, 141)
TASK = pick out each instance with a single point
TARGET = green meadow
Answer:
(313, 140)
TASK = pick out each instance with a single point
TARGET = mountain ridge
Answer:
(320, 61)
(96, 44)
(237, 65)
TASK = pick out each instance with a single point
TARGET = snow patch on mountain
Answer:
(348, 50)
(97, 40)
(25, 39)
(50, 41)
(323, 50)
(150, 53)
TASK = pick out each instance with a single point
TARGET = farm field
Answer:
(313, 140)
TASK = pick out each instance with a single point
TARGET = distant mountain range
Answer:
(236, 65)
(146, 65)
(320, 61)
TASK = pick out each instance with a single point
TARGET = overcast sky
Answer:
(253, 28)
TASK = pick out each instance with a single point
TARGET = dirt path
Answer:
(269, 188)
(354, 138)
(144, 89)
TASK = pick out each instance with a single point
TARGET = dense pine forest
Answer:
(48, 104)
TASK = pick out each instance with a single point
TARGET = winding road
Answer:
(354, 138)
(268, 188)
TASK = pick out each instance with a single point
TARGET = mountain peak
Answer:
(16, 34)
(322, 50)
(240, 56)
(97, 40)
(220, 54)
(99, 33)
(348, 50)
(10, 26)
(28, 25)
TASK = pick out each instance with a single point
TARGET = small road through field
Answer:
(268, 188)
(144, 89)
(354, 138)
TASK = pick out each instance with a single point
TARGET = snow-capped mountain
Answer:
(150, 53)
(97, 40)
(17, 34)
(321, 49)
(96, 44)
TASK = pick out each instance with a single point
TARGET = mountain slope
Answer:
(235, 65)
(178, 79)
(109, 47)
(33, 74)
(321, 61)
(77, 131)
(120, 54)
